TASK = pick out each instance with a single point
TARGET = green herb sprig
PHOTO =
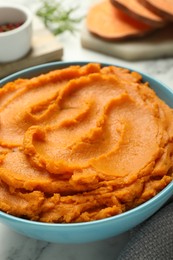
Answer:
(56, 18)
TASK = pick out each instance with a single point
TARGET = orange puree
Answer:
(82, 143)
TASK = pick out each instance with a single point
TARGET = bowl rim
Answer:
(24, 25)
(63, 64)
(142, 207)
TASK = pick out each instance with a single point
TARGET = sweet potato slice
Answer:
(135, 9)
(109, 23)
(164, 8)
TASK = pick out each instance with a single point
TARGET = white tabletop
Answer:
(14, 246)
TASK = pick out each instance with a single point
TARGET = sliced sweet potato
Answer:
(109, 23)
(135, 9)
(164, 8)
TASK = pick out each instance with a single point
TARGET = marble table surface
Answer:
(14, 246)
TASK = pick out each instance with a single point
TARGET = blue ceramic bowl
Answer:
(94, 230)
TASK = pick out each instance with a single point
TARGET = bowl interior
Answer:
(12, 15)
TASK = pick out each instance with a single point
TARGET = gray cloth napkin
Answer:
(153, 239)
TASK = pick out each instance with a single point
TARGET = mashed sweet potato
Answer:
(82, 143)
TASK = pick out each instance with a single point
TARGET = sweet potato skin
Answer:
(139, 11)
(163, 8)
(109, 23)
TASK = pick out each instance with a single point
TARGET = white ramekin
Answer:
(15, 43)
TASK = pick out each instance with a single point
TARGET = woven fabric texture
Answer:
(153, 239)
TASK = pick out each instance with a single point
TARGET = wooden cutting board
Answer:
(45, 48)
(157, 45)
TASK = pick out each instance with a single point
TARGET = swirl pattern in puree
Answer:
(82, 143)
